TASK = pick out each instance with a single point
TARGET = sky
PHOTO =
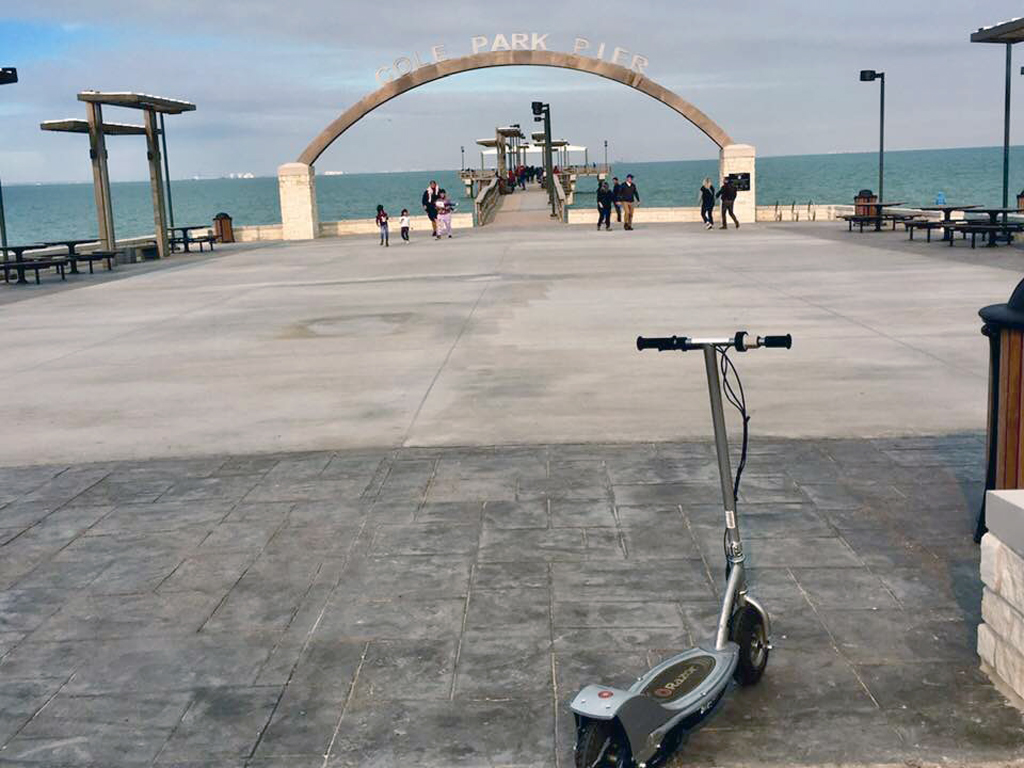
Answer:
(267, 76)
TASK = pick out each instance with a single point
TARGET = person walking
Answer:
(707, 203)
(616, 188)
(604, 206)
(728, 194)
(629, 196)
(430, 205)
(382, 223)
(403, 222)
(444, 214)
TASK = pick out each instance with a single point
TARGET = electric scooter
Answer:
(640, 727)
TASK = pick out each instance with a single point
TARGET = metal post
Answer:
(167, 171)
(3, 222)
(881, 146)
(1006, 129)
(548, 162)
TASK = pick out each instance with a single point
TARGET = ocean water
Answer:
(51, 211)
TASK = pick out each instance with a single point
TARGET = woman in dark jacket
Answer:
(605, 198)
(707, 203)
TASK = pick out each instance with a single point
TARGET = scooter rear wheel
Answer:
(602, 744)
(749, 634)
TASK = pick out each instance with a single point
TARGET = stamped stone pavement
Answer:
(440, 606)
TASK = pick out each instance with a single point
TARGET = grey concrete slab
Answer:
(220, 724)
(407, 669)
(126, 728)
(358, 619)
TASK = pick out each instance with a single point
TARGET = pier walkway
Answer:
(524, 208)
(328, 505)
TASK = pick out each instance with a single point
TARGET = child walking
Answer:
(382, 222)
(403, 222)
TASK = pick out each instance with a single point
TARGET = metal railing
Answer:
(485, 203)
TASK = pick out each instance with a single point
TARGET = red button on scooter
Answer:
(605, 694)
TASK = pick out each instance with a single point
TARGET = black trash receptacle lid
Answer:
(865, 193)
(1008, 315)
(221, 215)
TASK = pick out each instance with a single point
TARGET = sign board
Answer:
(740, 180)
(516, 41)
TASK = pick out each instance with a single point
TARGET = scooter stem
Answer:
(734, 549)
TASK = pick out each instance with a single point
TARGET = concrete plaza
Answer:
(332, 504)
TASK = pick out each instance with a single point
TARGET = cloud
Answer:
(268, 76)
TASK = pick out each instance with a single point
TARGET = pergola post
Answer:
(156, 182)
(100, 176)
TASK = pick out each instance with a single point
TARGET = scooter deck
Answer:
(686, 680)
(680, 678)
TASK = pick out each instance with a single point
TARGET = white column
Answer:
(296, 183)
(740, 158)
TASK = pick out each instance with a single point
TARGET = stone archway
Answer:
(299, 216)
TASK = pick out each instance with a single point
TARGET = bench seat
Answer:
(33, 265)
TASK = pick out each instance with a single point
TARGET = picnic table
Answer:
(184, 239)
(993, 226)
(19, 258)
(71, 245)
(947, 214)
(875, 217)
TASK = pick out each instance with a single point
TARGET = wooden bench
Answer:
(986, 230)
(860, 220)
(208, 239)
(926, 224)
(93, 256)
(33, 265)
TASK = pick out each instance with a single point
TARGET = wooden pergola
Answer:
(98, 130)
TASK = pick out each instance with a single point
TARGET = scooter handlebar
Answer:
(741, 341)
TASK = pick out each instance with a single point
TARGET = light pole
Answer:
(866, 76)
(7, 75)
(463, 151)
(606, 154)
(542, 113)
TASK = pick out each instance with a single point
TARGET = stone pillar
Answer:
(739, 158)
(296, 183)
(1001, 635)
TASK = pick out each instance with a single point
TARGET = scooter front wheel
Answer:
(602, 744)
(749, 634)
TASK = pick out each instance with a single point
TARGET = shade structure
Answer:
(74, 125)
(1007, 33)
(98, 130)
(1011, 32)
(137, 101)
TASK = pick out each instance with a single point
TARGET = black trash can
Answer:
(864, 196)
(1004, 327)
(222, 228)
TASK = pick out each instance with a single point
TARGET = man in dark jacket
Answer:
(615, 197)
(604, 206)
(430, 204)
(728, 195)
(629, 196)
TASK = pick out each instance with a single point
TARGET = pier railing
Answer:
(486, 202)
(561, 206)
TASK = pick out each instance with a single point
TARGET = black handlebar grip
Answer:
(662, 344)
(786, 342)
